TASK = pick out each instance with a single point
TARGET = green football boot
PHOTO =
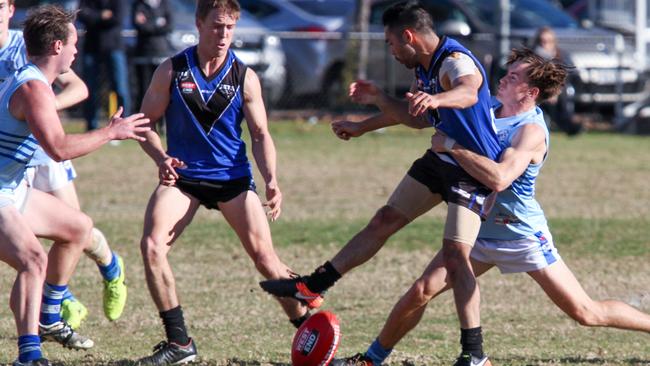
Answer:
(115, 294)
(73, 312)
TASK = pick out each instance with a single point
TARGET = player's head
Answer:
(215, 21)
(6, 12)
(531, 76)
(405, 24)
(49, 32)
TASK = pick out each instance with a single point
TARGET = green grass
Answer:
(594, 189)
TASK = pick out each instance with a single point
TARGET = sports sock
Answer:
(377, 353)
(100, 252)
(472, 341)
(297, 322)
(51, 305)
(323, 278)
(29, 348)
(111, 271)
(175, 326)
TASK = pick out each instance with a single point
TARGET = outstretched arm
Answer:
(460, 93)
(528, 146)
(262, 142)
(34, 102)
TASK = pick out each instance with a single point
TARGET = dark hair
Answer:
(407, 14)
(44, 25)
(546, 75)
(203, 7)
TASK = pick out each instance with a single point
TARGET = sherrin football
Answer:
(316, 341)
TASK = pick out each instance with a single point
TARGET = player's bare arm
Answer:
(459, 93)
(154, 104)
(262, 143)
(73, 90)
(34, 102)
(528, 146)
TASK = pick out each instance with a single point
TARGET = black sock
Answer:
(322, 278)
(297, 322)
(175, 326)
(472, 341)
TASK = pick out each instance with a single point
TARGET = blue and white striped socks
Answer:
(29, 348)
(51, 305)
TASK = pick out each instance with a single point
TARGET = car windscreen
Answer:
(523, 13)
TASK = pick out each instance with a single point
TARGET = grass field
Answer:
(594, 189)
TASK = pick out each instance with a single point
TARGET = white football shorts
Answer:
(16, 197)
(51, 176)
(516, 256)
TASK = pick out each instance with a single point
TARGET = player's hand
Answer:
(128, 127)
(364, 92)
(273, 201)
(167, 170)
(438, 142)
(420, 102)
(346, 129)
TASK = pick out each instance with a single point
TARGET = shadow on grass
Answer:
(570, 361)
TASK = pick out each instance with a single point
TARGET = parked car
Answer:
(252, 42)
(314, 60)
(474, 24)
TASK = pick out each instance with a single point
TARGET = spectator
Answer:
(104, 49)
(152, 20)
(561, 108)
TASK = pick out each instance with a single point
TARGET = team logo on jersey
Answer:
(188, 87)
(505, 219)
(184, 75)
(227, 91)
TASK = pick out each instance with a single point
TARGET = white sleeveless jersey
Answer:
(13, 54)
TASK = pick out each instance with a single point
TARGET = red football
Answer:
(316, 340)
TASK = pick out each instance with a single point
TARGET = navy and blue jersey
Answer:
(204, 118)
(472, 127)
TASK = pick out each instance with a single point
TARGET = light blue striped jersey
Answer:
(204, 118)
(516, 214)
(13, 54)
(17, 144)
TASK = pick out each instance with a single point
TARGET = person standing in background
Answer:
(104, 48)
(153, 21)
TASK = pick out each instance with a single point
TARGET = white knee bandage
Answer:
(99, 251)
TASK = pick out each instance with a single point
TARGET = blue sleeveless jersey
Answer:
(471, 127)
(516, 214)
(17, 144)
(204, 118)
(13, 54)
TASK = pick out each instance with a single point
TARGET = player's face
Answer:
(69, 49)
(6, 12)
(403, 52)
(514, 86)
(216, 31)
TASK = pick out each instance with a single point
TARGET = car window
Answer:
(328, 8)
(257, 8)
(523, 13)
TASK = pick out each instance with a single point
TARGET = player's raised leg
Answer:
(565, 291)
(50, 218)
(168, 213)
(409, 200)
